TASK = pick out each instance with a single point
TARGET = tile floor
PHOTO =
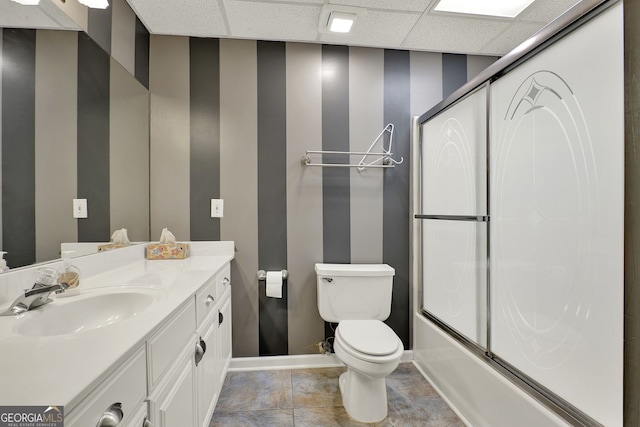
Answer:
(310, 397)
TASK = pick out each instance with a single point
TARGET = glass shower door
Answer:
(454, 217)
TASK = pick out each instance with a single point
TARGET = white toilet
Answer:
(358, 296)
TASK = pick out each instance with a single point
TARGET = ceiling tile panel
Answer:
(445, 33)
(510, 38)
(382, 29)
(181, 17)
(397, 5)
(273, 21)
(546, 10)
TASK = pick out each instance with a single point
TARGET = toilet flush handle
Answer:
(328, 279)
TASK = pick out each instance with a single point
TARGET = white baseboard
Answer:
(304, 361)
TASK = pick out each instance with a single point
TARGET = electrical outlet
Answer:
(217, 208)
(80, 208)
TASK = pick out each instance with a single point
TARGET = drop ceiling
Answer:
(396, 24)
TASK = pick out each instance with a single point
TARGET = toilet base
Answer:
(363, 397)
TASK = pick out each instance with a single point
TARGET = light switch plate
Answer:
(80, 208)
(217, 208)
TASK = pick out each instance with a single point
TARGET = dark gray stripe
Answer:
(336, 193)
(631, 395)
(396, 188)
(272, 192)
(204, 136)
(18, 146)
(454, 72)
(93, 139)
(142, 53)
(99, 27)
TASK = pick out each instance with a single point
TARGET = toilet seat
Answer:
(370, 340)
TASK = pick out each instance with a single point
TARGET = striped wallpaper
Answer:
(231, 119)
(228, 119)
(74, 125)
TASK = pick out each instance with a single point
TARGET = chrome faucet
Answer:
(38, 295)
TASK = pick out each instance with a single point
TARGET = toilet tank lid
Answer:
(354, 270)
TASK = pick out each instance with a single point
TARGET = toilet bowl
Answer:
(358, 298)
(371, 351)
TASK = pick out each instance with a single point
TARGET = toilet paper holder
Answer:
(262, 275)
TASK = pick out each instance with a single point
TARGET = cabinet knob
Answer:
(112, 416)
(209, 300)
(201, 348)
(146, 423)
(220, 318)
(226, 281)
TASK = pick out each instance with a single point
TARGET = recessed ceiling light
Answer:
(340, 22)
(503, 8)
(336, 18)
(28, 2)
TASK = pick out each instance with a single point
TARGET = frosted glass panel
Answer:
(557, 217)
(455, 272)
(453, 159)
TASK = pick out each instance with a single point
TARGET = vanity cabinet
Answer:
(214, 331)
(119, 397)
(173, 402)
(175, 376)
(224, 332)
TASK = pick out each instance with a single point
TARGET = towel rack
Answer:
(382, 160)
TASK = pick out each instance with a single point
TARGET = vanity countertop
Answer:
(62, 369)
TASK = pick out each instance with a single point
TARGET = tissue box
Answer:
(168, 250)
(109, 246)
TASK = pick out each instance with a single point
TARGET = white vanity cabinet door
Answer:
(125, 388)
(224, 336)
(174, 402)
(165, 345)
(206, 300)
(223, 280)
(139, 417)
(206, 371)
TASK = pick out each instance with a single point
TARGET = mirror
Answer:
(75, 124)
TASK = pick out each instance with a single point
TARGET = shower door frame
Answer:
(575, 18)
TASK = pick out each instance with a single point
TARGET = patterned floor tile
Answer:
(269, 418)
(406, 382)
(311, 398)
(316, 387)
(256, 390)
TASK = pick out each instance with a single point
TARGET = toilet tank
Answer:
(354, 291)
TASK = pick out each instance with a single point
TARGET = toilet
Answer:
(358, 298)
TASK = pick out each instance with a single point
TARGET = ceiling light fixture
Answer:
(502, 8)
(337, 19)
(28, 2)
(95, 4)
(341, 22)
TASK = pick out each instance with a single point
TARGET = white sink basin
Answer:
(88, 311)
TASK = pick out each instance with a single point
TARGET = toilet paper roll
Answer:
(274, 284)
